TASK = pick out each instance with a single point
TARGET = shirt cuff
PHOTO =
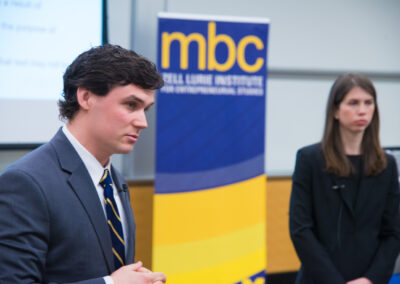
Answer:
(108, 280)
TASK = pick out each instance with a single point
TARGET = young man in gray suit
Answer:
(65, 214)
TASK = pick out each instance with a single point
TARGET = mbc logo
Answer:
(235, 53)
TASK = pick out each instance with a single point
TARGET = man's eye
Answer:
(131, 105)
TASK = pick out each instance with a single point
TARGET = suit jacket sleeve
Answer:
(314, 257)
(381, 268)
(24, 230)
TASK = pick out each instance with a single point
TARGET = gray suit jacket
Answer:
(52, 225)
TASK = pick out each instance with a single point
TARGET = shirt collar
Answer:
(93, 166)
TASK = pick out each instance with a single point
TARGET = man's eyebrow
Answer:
(133, 97)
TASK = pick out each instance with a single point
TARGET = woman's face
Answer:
(356, 110)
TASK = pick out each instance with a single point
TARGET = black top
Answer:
(355, 176)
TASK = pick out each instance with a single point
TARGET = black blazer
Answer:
(52, 225)
(336, 241)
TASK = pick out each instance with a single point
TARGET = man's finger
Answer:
(159, 276)
(144, 269)
(135, 266)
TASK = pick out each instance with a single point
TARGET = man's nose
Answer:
(141, 120)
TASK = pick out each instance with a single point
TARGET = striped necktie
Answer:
(114, 221)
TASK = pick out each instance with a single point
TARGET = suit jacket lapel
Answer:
(343, 187)
(83, 187)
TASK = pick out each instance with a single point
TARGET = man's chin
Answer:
(125, 150)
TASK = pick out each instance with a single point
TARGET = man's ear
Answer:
(83, 96)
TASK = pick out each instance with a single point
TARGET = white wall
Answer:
(310, 43)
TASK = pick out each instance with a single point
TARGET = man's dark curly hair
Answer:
(102, 68)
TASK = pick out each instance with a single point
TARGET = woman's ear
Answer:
(336, 113)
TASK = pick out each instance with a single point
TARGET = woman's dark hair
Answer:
(332, 146)
(102, 68)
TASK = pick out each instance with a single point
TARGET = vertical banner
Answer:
(210, 183)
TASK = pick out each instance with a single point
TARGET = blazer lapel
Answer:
(343, 187)
(84, 189)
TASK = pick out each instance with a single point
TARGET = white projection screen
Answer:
(38, 40)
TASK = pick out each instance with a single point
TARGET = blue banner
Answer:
(211, 111)
(210, 186)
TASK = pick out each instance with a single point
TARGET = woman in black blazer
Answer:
(344, 206)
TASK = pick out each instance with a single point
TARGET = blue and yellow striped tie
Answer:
(114, 221)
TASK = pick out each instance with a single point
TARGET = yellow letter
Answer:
(213, 41)
(241, 54)
(184, 49)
